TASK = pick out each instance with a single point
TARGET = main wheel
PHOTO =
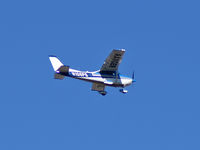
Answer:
(103, 93)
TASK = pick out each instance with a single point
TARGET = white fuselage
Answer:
(115, 80)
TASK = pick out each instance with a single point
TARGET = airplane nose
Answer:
(129, 82)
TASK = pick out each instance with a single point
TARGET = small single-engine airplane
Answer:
(107, 76)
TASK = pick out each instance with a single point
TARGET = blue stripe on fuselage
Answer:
(96, 75)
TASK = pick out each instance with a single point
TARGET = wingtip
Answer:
(120, 50)
(52, 56)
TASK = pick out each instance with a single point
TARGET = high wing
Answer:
(112, 61)
(98, 87)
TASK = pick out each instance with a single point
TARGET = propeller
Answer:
(133, 77)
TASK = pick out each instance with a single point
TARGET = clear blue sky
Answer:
(162, 42)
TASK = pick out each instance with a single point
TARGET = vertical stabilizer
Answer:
(55, 62)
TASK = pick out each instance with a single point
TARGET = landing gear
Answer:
(103, 93)
(123, 91)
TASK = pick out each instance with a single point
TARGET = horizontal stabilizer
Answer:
(58, 76)
(63, 70)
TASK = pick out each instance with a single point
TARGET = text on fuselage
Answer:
(79, 74)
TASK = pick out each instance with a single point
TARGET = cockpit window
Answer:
(107, 72)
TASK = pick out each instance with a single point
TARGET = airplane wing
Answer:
(112, 61)
(98, 87)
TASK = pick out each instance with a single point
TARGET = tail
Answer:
(55, 62)
(60, 70)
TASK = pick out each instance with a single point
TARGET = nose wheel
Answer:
(123, 91)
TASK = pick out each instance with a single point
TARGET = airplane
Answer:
(108, 75)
